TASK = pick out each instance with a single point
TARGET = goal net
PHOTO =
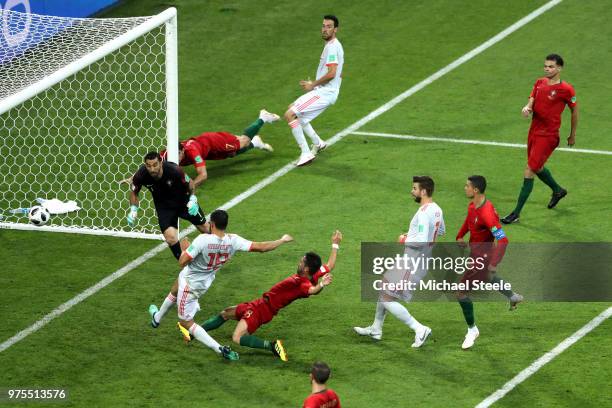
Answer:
(81, 102)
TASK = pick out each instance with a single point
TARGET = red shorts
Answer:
(255, 313)
(539, 149)
(480, 274)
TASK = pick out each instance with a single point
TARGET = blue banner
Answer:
(63, 8)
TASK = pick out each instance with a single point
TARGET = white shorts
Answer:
(310, 105)
(188, 295)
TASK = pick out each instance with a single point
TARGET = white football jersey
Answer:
(333, 53)
(426, 224)
(209, 253)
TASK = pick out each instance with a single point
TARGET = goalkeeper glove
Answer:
(192, 205)
(132, 214)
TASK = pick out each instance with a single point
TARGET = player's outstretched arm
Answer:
(336, 239)
(133, 211)
(270, 245)
(201, 177)
(323, 282)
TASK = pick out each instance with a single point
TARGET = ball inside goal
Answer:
(39, 215)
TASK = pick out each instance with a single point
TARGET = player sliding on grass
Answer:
(310, 279)
(547, 101)
(219, 146)
(482, 222)
(200, 262)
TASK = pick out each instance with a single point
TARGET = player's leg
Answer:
(198, 220)
(467, 307)
(307, 112)
(158, 314)
(168, 224)
(376, 328)
(218, 320)
(513, 297)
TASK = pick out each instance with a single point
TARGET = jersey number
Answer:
(217, 258)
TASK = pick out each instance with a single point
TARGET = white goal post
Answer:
(82, 100)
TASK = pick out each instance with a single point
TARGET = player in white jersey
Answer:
(320, 94)
(200, 262)
(426, 225)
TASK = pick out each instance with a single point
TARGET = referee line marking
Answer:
(475, 142)
(279, 173)
(545, 359)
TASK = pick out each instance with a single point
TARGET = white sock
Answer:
(257, 142)
(169, 301)
(310, 132)
(399, 311)
(298, 134)
(200, 334)
(379, 317)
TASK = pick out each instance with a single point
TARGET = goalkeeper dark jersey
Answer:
(170, 191)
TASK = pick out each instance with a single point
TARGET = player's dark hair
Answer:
(180, 146)
(426, 183)
(320, 372)
(313, 262)
(152, 156)
(478, 182)
(332, 18)
(220, 218)
(555, 57)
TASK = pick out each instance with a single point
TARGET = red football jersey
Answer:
(288, 290)
(549, 103)
(323, 399)
(208, 146)
(483, 225)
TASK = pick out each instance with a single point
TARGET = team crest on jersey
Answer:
(169, 183)
(552, 94)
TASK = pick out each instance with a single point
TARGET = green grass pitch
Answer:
(237, 57)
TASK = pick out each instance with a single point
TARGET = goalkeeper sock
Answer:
(310, 132)
(245, 149)
(399, 311)
(203, 337)
(253, 128)
(169, 301)
(213, 323)
(506, 293)
(467, 307)
(255, 342)
(379, 316)
(548, 179)
(298, 134)
(176, 250)
(523, 195)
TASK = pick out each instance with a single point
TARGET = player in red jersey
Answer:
(321, 396)
(482, 222)
(218, 146)
(547, 101)
(310, 279)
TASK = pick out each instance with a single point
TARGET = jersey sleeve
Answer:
(332, 55)
(305, 287)
(241, 244)
(534, 89)
(194, 153)
(571, 96)
(137, 181)
(196, 246)
(322, 271)
(463, 230)
(491, 220)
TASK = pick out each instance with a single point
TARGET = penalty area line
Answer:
(282, 171)
(545, 359)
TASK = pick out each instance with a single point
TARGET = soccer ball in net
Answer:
(39, 215)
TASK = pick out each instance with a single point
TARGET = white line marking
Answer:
(475, 142)
(284, 170)
(546, 358)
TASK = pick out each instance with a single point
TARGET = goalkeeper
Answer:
(173, 197)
